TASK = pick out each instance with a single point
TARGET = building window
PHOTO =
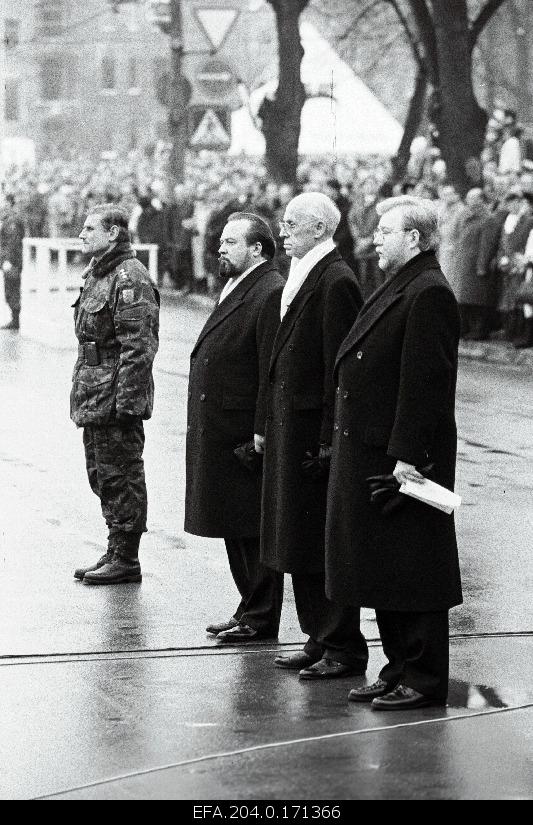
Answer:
(132, 73)
(52, 78)
(11, 99)
(49, 14)
(108, 72)
(11, 33)
(162, 80)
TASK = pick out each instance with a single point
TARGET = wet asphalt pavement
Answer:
(119, 693)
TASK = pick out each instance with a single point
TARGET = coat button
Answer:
(282, 385)
(335, 427)
(346, 395)
(338, 390)
(359, 354)
(206, 361)
(202, 397)
(346, 433)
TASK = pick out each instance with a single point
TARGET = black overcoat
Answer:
(396, 374)
(300, 415)
(227, 405)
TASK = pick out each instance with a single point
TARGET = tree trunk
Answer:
(281, 116)
(415, 114)
(461, 121)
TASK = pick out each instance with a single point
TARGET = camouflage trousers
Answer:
(113, 456)
(12, 290)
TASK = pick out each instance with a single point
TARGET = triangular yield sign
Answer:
(216, 23)
(210, 132)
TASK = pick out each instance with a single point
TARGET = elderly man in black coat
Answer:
(396, 375)
(226, 412)
(319, 304)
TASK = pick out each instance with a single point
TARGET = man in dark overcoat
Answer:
(474, 286)
(319, 304)
(226, 410)
(396, 376)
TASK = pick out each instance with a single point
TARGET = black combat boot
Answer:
(105, 559)
(124, 566)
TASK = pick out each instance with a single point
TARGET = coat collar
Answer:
(99, 267)
(300, 300)
(385, 297)
(234, 299)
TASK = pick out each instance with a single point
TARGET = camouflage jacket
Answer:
(117, 325)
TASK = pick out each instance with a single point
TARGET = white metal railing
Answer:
(51, 268)
(56, 264)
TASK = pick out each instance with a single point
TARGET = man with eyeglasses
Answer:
(394, 417)
(319, 304)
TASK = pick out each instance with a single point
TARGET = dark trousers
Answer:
(113, 456)
(475, 321)
(417, 648)
(260, 588)
(333, 629)
(12, 291)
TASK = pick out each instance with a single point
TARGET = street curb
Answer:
(499, 353)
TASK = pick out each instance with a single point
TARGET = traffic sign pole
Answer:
(180, 92)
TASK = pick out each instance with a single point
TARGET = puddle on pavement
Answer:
(475, 697)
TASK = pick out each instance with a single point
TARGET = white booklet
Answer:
(433, 494)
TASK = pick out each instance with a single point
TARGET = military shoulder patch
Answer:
(128, 296)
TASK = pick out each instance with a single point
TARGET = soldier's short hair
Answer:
(110, 215)
(258, 231)
(417, 213)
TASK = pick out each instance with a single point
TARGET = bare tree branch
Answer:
(426, 30)
(413, 42)
(489, 9)
(357, 19)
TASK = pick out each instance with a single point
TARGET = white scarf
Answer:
(231, 283)
(300, 269)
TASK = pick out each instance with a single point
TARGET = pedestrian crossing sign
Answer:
(210, 133)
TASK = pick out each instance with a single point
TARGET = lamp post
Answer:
(167, 15)
(180, 93)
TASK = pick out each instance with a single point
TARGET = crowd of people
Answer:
(486, 248)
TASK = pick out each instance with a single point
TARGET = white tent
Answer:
(349, 118)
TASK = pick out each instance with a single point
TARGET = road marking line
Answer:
(287, 743)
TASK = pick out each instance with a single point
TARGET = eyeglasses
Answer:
(290, 226)
(383, 231)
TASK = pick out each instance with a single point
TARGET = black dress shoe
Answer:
(327, 669)
(405, 698)
(368, 692)
(295, 661)
(215, 629)
(239, 633)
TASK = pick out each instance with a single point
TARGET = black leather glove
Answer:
(248, 457)
(317, 467)
(385, 491)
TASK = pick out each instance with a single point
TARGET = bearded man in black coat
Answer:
(395, 414)
(226, 412)
(319, 304)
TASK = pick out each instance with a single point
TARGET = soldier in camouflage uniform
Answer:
(11, 237)
(117, 325)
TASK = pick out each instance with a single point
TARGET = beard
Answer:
(227, 270)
